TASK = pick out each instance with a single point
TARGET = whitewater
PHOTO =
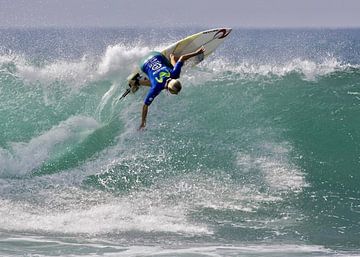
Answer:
(259, 155)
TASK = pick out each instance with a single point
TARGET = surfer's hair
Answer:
(174, 86)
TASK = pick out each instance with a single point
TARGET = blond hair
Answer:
(174, 86)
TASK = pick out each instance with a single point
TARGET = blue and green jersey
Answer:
(158, 69)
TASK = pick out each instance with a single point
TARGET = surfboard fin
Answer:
(124, 94)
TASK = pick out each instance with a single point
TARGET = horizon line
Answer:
(178, 27)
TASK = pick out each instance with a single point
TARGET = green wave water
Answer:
(258, 156)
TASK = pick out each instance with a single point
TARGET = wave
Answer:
(252, 150)
(116, 62)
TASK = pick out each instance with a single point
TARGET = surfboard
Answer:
(210, 39)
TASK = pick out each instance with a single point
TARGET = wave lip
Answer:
(23, 157)
(309, 69)
(119, 60)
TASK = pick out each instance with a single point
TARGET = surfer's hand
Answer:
(134, 88)
(200, 50)
(143, 116)
(142, 126)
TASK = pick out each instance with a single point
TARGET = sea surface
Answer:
(259, 155)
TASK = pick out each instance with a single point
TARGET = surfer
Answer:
(162, 75)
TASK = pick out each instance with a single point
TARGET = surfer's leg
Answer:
(139, 81)
(173, 59)
(144, 81)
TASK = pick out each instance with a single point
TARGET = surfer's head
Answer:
(174, 86)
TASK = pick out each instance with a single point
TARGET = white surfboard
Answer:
(210, 39)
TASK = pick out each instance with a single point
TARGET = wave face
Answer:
(259, 154)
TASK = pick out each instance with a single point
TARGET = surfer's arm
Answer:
(143, 116)
(185, 57)
(148, 100)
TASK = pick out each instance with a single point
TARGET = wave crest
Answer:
(310, 70)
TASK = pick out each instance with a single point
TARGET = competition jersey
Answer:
(158, 69)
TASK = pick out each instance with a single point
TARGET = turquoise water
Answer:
(258, 156)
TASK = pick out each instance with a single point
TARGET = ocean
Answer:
(259, 155)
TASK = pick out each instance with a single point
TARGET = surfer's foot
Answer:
(134, 88)
(173, 59)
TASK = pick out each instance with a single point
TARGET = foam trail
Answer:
(105, 99)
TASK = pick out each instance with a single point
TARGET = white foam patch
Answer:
(218, 193)
(120, 59)
(23, 157)
(274, 166)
